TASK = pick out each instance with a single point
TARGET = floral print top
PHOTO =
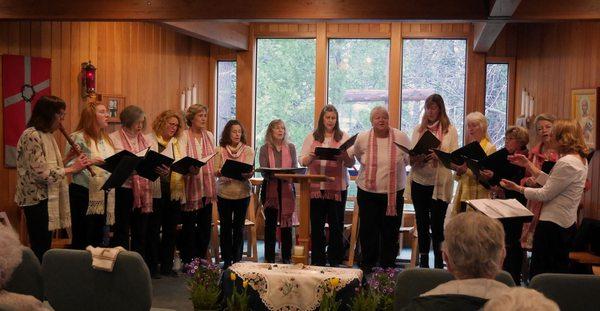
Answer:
(33, 172)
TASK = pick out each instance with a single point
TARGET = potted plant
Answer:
(238, 301)
(382, 282)
(203, 282)
(365, 300)
(329, 301)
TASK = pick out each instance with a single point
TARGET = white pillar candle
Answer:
(182, 101)
(531, 104)
(188, 98)
(523, 99)
(526, 105)
(194, 95)
(298, 250)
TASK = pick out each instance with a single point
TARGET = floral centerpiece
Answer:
(382, 283)
(203, 282)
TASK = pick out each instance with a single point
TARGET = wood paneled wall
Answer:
(147, 63)
(552, 60)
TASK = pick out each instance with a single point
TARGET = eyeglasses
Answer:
(61, 115)
(176, 125)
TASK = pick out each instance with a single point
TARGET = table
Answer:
(290, 287)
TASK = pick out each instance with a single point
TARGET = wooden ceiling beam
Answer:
(226, 34)
(557, 10)
(486, 32)
(165, 10)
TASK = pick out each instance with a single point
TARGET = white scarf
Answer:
(96, 195)
(59, 215)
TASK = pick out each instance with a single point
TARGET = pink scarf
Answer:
(332, 189)
(287, 195)
(239, 156)
(371, 181)
(201, 185)
(141, 187)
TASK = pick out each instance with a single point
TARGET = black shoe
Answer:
(285, 261)
(424, 261)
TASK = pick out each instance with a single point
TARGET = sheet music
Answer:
(500, 208)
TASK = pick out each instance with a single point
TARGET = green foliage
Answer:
(205, 297)
(365, 301)
(203, 282)
(238, 301)
(329, 301)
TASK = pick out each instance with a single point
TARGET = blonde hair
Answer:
(191, 112)
(269, 134)
(478, 117)
(436, 99)
(544, 117)
(474, 245)
(519, 133)
(520, 298)
(569, 137)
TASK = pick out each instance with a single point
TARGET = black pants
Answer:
(169, 216)
(232, 215)
(513, 262)
(332, 212)
(123, 211)
(86, 229)
(40, 238)
(271, 218)
(551, 246)
(378, 233)
(429, 213)
(196, 232)
(152, 245)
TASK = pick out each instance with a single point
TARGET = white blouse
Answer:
(562, 191)
(303, 159)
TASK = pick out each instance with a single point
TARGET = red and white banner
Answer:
(24, 80)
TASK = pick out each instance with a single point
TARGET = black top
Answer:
(446, 303)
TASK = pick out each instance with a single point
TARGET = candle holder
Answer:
(525, 121)
(297, 259)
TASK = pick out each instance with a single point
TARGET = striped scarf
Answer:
(332, 190)
(59, 214)
(287, 195)
(176, 180)
(201, 185)
(371, 180)
(141, 187)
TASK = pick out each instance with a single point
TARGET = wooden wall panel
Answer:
(553, 59)
(145, 62)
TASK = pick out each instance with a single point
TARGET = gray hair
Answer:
(11, 253)
(520, 298)
(130, 115)
(544, 117)
(377, 109)
(474, 245)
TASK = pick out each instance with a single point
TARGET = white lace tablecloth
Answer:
(292, 287)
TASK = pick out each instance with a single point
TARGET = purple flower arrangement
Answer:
(203, 282)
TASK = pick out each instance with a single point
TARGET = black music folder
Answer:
(427, 142)
(183, 165)
(122, 170)
(145, 167)
(325, 153)
(234, 169)
(498, 163)
(472, 151)
(547, 166)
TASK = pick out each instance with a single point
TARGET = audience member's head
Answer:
(520, 298)
(11, 253)
(473, 246)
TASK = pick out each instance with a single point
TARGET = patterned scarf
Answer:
(96, 194)
(176, 180)
(59, 214)
(436, 129)
(201, 185)
(287, 195)
(142, 187)
(332, 190)
(371, 181)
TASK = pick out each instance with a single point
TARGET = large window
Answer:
(225, 94)
(358, 79)
(433, 66)
(285, 87)
(496, 101)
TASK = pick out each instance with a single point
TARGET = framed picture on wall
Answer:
(585, 110)
(114, 104)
